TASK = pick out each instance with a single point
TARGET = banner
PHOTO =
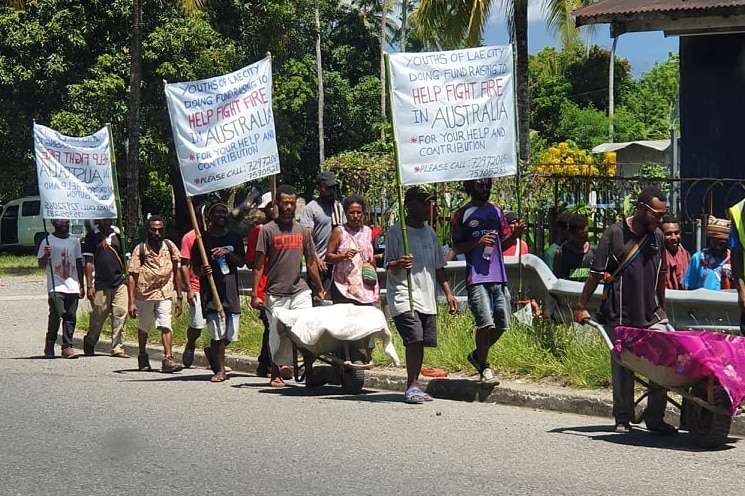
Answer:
(454, 114)
(74, 174)
(223, 128)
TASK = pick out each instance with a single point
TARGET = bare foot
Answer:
(277, 382)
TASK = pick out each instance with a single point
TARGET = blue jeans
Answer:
(490, 304)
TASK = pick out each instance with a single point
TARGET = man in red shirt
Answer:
(678, 257)
(266, 209)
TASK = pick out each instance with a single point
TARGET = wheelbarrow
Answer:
(341, 336)
(707, 369)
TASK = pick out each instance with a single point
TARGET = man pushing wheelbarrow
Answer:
(630, 261)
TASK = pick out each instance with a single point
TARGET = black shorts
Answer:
(417, 328)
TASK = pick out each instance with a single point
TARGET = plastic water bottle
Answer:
(223, 265)
(488, 249)
(487, 252)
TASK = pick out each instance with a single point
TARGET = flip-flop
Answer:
(414, 396)
(217, 378)
(421, 393)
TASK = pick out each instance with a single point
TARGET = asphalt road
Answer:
(95, 426)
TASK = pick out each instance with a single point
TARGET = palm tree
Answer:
(452, 23)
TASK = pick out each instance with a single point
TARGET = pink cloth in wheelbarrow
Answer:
(690, 354)
(319, 328)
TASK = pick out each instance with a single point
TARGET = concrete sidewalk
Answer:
(457, 388)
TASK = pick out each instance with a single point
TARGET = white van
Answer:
(21, 225)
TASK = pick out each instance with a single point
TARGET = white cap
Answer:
(265, 199)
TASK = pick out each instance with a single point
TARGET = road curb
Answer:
(538, 396)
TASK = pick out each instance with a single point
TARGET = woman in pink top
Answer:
(349, 247)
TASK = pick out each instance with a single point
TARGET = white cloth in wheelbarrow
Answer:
(319, 329)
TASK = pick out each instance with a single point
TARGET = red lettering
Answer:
(288, 241)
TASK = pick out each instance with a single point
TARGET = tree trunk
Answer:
(319, 75)
(134, 213)
(521, 77)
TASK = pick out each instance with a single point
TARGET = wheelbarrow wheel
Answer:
(353, 380)
(708, 429)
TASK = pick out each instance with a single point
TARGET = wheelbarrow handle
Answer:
(601, 329)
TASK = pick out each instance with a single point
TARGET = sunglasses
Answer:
(655, 213)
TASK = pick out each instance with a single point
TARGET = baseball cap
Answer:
(266, 198)
(417, 193)
(510, 217)
(326, 178)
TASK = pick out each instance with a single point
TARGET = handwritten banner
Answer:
(74, 174)
(223, 128)
(453, 114)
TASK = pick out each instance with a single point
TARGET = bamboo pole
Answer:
(400, 189)
(203, 253)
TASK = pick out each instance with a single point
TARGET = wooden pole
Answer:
(117, 197)
(203, 253)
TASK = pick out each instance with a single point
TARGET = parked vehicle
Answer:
(22, 227)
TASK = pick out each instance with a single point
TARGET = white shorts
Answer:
(196, 319)
(226, 328)
(280, 346)
(160, 310)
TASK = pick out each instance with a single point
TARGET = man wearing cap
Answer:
(320, 217)
(264, 213)
(479, 229)
(710, 268)
(513, 246)
(426, 264)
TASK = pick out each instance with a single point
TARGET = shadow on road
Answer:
(639, 437)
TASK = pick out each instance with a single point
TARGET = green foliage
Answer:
(569, 98)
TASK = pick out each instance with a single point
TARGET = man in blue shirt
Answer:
(711, 268)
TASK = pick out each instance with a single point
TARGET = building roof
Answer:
(659, 145)
(675, 17)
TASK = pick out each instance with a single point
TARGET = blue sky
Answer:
(641, 49)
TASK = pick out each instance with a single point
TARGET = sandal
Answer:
(218, 378)
(415, 396)
(622, 427)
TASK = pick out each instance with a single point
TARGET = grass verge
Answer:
(544, 351)
(19, 265)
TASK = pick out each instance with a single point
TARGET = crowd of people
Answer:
(636, 260)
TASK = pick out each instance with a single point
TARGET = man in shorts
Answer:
(226, 254)
(426, 263)
(196, 319)
(478, 230)
(281, 245)
(153, 277)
